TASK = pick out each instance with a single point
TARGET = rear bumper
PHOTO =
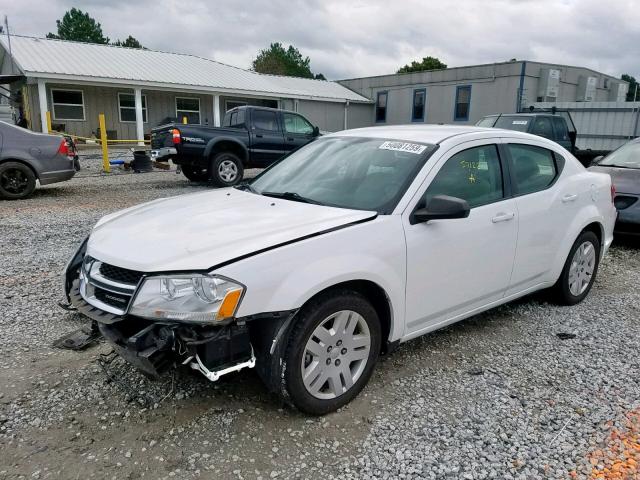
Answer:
(164, 153)
(56, 176)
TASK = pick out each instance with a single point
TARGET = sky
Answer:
(347, 39)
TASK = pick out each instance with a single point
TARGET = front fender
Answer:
(285, 278)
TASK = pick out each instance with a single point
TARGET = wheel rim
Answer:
(336, 354)
(583, 265)
(14, 181)
(228, 171)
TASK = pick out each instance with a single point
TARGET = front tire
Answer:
(331, 352)
(225, 170)
(17, 181)
(579, 270)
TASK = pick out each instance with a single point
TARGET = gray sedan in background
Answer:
(623, 165)
(26, 156)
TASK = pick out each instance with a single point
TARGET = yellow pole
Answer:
(103, 140)
(48, 113)
(184, 120)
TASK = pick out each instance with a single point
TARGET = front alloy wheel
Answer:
(331, 352)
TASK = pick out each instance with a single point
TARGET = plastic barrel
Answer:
(141, 162)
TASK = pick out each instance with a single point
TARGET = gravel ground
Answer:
(500, 395)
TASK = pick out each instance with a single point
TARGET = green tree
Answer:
(634, 88)
(79, 26)
(130, 42)
(276, 60)
(427, 63)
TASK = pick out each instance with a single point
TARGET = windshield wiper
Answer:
(296, 197)
(615, 166)
(246, 187)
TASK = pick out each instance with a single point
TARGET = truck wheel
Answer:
(195, 174)
(16, 181)
(331, 352)
(225, 170)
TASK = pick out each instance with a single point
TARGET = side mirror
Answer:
(596, 160)
(441, 207)
(316, 131)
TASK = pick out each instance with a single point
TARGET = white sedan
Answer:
(355, 243)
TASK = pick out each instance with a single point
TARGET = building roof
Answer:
(60, 59)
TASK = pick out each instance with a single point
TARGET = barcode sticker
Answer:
(403, 147)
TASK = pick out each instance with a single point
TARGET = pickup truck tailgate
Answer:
(162, 137)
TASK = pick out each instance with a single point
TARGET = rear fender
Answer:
(211, 147)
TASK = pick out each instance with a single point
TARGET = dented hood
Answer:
(202, 230)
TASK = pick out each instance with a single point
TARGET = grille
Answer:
(118, 274)
(116, 300)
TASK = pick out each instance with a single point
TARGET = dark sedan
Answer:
(26, 156)
(623, 165)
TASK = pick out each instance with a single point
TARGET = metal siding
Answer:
(328, 116)
(360, 115)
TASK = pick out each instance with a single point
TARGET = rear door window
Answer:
(265, 120)
(542, 127)
(560, 126)
(533, 168)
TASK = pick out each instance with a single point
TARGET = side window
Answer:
(542, 126)
(533, 168)
(265, 120)
(463, 101)
(417, 113)
(562, 132)
(475, 175)
(296, 124)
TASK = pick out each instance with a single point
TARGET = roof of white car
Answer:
(433, 134)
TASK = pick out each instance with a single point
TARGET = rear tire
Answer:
(195, 174)
(331, 352)
(17, 181)
(225, 170)
(580, 270)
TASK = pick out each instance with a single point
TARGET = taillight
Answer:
(613, 193)
(175, 133)
(63, 149)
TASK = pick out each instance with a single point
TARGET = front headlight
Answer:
(188, 298)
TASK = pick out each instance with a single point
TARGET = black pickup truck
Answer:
(250, 137)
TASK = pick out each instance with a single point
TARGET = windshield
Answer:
(627, 156)
(513, 123)
(347, 172)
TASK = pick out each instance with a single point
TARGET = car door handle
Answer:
(503, 217)
(569, 198)
(259, 135)
(289, 139)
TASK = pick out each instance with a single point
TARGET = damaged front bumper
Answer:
(154, 346)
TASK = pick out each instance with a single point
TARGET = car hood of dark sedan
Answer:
(626, 180)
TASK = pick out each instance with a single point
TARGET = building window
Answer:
(188, 107)
(381, 107)
(67, 104)
(419, 102)
(229, 104)
(127, 107)
(463, 102)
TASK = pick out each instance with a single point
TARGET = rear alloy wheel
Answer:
(331, 352)
(579, 270)
(16, 181)
(225, 170)
(195, 174)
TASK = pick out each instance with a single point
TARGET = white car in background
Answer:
(353, 244)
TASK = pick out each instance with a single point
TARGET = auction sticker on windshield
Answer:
(403, 147)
